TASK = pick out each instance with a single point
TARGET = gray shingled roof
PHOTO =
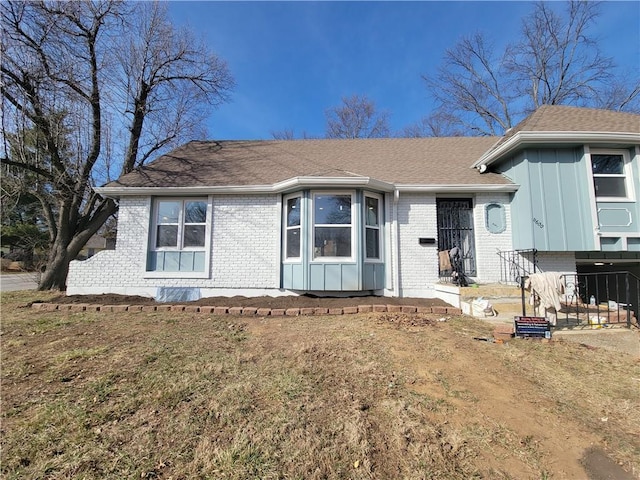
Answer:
(559, 118)
(407, 161)
(400, 161)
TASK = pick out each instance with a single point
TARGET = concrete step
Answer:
(490, 291)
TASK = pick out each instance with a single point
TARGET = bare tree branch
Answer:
(357, 117)
(69, 70)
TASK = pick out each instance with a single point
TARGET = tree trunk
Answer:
(55, 275)
(67, 245)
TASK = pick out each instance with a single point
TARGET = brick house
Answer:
(370, 216)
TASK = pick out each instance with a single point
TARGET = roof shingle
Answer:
(419, 161)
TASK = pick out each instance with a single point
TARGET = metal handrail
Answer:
(513, 265)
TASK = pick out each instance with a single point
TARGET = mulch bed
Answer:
(301, 301)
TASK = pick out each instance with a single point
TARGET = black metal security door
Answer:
(455, 229)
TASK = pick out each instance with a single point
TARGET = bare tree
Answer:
(555, 61)
(97, 78)
(438, 124)
(357, 117)
(286, 134)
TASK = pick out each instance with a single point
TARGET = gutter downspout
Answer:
(396, 253)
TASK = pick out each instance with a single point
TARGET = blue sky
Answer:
(293, 60)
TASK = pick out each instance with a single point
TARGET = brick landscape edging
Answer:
(248, 311)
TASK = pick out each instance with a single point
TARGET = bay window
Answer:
(332, 225)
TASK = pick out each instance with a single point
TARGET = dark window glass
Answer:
(332, 242)
(293, 243)
(372, 211)
(332, 209)
(195, 212)
(293, 212)
(373, 243)
(610, 187)
(607, 164)
(194, 235)
(167, 236)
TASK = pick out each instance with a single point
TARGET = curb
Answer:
(246, 311)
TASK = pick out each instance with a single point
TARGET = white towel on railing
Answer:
(548, 286)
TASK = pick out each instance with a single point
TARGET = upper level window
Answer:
(609, 170)
(332, 225)
(372, 227)
(293, 227)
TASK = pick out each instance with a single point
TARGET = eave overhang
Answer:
(521, 139)
(297, 183)
(279, 187)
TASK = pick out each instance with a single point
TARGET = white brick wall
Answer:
(246, 242)
(487, 243)
(418, 263)
(245, 250)
(564, 262)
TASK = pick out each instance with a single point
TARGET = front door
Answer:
(455, 229)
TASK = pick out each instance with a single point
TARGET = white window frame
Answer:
(627, 175)
(154, 204)
(352, 226)
(378, 228)
(287, 228)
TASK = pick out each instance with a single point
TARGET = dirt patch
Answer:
(290, 301)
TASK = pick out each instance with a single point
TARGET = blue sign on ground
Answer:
(537, 327)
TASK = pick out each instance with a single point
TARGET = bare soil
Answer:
(289, 301)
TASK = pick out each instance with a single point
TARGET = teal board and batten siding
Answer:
(333, 275)
(170, 261)
(551, 210)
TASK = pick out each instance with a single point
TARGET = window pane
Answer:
(332, 209)
(293, 243)
(293, 212)
(195, 212)
(372, 211)
(608, 164)
(610, 187)
(373, 243)
(332, 242)
(167, 236)
(194, 235)
(168, 212)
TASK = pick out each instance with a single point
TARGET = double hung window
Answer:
(609, 171)
(372, 227)
(181, 224)
(293, 227)
(179, 236)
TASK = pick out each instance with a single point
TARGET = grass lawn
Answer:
(367, 396)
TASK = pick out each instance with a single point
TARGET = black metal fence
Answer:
(597, 299)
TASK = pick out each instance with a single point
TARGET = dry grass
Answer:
(179, 395)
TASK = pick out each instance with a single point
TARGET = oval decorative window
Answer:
(495, 219)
